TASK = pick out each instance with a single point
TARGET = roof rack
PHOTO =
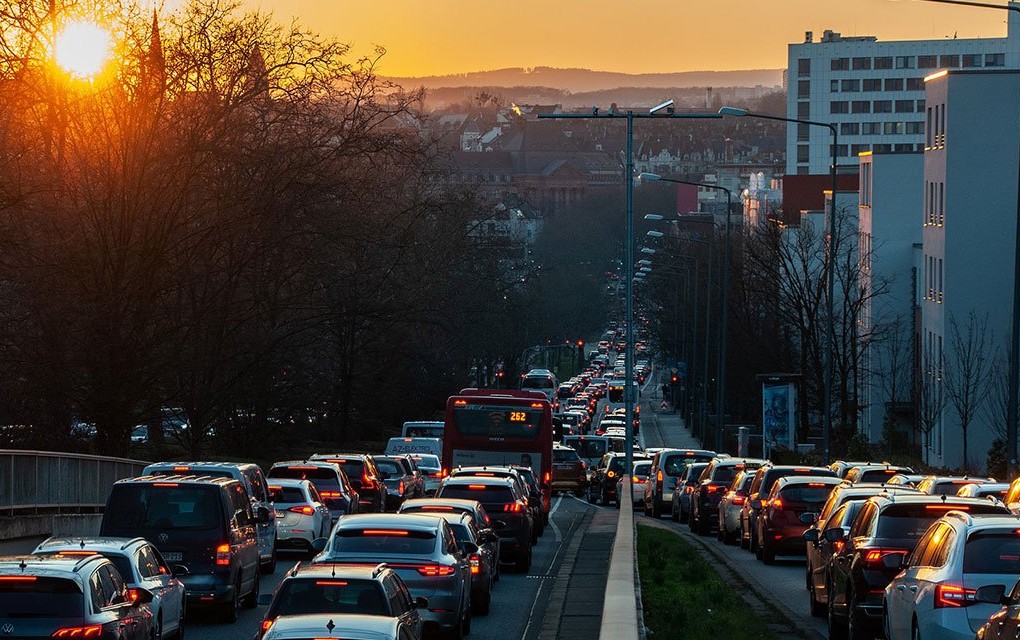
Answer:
(379, 569)
(965, 517)
(78, 565)
(129, 542)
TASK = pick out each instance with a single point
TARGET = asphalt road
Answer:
(518, 601)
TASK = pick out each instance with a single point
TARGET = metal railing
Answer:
(620, 616)
(57, 481)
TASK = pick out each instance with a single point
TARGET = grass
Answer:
(685, 598)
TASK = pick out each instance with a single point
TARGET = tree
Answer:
(967, 375)
(931, 399)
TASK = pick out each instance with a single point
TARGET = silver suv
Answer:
(667, 467)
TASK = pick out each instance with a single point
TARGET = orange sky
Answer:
(433, 37)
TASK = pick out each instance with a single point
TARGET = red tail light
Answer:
(91, 631)
(713, 489)
(223, 555)
(546, 476)
(476, 564)
(266, 624)
(367, 482)
(610, 474)
(305, 510)
(133, 594)
(777, 504)
(739, 500)
(874, 556)
(513, 507)
(330, 494)
(658, 475)
(436, 570)
(637, 480)
(951, 595)
(401, 487)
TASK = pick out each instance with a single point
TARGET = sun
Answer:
(82, 49)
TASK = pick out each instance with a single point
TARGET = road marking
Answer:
(585, 503)
(552, 523)
(544, 581)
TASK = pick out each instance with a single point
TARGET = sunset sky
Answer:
(435, 37)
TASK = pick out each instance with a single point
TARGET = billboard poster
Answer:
(779, 413)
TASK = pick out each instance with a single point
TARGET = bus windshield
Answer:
(422, 430)
(497, 421)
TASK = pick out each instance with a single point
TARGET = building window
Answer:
(882, 148)
(971, 60)
(905, 62)
(995, 59)
(803, 67)
(942, 203)
(949, 62)
(839, 150)
(860, 64)
(833, 86)
(871, 128)
(849, 129)
(861, 106)
(839, 106)
(915, 84)
(884, 62)
(942, 125)
(883, 106)
(894, 84)
(803, 132)
(904, 106)
(858, 149)
(914, 128)
(803, 109)
(841, 64)
(851, 85)
(803, 88)
(803, 153)
(920, 106)
(927, 62)
(892, 128)
(903, 148)
(872, 84)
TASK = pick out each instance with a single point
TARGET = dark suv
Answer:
(204, 524)
(764, 478)
(502, 499)
(885, 530)
(364, 475)
(711, 486)
(602, 485)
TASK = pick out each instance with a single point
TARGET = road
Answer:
(518, 601)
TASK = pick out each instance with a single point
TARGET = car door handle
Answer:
(913, 588)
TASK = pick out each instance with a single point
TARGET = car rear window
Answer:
(814, 493)
(40, 597)
(642, 469)
(187, 470)
(772, 476)
(144, 506)
(724, 474)
(304, 472)
(617, 464)
(353, 468)
(912, 520)
(588, 448)
(481, 492)
(298, 596)
(384, 540)
(877, 475)
(286, 494)
(565, 455)
(427, 462)
(675, 463)
(389, 466)
(992, 552)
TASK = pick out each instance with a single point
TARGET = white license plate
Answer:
(173, 556)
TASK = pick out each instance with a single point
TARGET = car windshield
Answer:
(565, 455)
(676, 463)
(427, 461)
(992, 552)
(286, 495)
(163, 506)
(537, 382)
(39, 597)
(328, 595)
(384, 540)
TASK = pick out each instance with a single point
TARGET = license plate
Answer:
(563, 467)
(173, 556)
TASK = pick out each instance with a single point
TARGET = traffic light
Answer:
(674, 379)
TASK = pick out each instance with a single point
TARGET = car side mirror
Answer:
(262, 515)
(756, 504)
(809, 518)
(318, 545)
(180, 570)
(265, 599)
(894, 561)
(992, 594)
(811, 535)
(141, 595)
(421, 603)
(834, 535)
(469, 547)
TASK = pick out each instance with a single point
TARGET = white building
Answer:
(969, 215)
(873, 90)
(888, 236)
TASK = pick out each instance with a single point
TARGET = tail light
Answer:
(713, 489)
(658, 475)
(400, 487)
(546, 476)
(739, 500)
(776, 504)
(476, 564)
(610, 474)
(223, 555)
(688, 489)
(367, 482)
(874, 556)
(952, 595)
(302, 510)
(266, 624)
(513, 507)
(132, 594)
(637, 480)
(91, 631)
(436, 570)
(330, 494)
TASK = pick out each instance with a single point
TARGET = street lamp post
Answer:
(830, 267)
(693, 332)
(720, 387)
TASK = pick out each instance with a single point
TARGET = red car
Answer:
(782, 521)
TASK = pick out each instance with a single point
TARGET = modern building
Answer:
(969, 217)
(873, 91)
(888, 236)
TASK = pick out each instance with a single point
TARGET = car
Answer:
(343, 589)
(1012, 498)
(399, 479)
(638, 478)
(70, 597)
(857, 576)
(589, 448)
(203, 523)
(484, 562)
(1004, 624)
(905, 479)
(602, 484)
(422, 549)
(875, 472)
(843, 467)
(141, 566)
(481, 517)
(353, 627)
(572, 422)
(569, 472)
(935, 593)
(730, 505)
(711, 486)
(501, 497)
(364, 475)
(535, 495)
(947, 485)
(764, 478)
(996, 490)
(782, 521)
(248, 474)
(414, 445)
(680, 507)
(667, 465)
(431, 470)
(527, 488)
(329, 479)
(301, 514)
(818, 550)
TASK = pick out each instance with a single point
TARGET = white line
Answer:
(552, 523)
(587, 504)
(556, 505)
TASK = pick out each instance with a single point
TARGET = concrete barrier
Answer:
(620, 616)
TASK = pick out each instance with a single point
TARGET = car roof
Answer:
(388, 520)
(206, 465)
(486, 480)
(99, 544)
(335, 570)
(788, 480)
(354, 626)
(340, 456)
(984, 521)
(318, 464)
(55, 566)
(288, 482)
(457, 503)
(924, 498)
(178, 479)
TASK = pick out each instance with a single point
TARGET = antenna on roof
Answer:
(22, 565)
(943, 497)
(82, 544)
(330, 626)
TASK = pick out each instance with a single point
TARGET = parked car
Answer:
(730, 504)
(329, 479)
(711, 486)
(301, 515)
(364, 476)
(786, 512)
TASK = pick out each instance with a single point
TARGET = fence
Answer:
(51, 481)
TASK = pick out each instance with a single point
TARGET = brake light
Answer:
(436, 507)
(17, 578)
(367, 481)
(536, 405)
(133, 595)
(739, 500)
(182, 469)
(476, 487)
(777, 504)
(610, 474)
(546, 476)
(436, 570)
(266, 624)
(331, 583)
(91, 631)
(223, 555)
(951, 595)
(383, 532)
(513, 507)
(155, 484)
(476, 564)
(330, 494)
(658, 475)
(713, 489)
(461, 402)
(305, 510)
(874, 556)
(947, 507)
(637, 480)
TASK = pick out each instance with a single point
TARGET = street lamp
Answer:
(830, 265)
(720, 387)
(647, 250)
(652, 233)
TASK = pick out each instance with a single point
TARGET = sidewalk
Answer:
(664, 429)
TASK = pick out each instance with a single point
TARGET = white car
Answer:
(301, 516)
(431, 468)
(141, 565)
(642, 469)
(936, 593)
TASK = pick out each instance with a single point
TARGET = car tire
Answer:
(837, 627)
(855, 629)
(656, 509)
(818, 609)
(251, 600)
(465, 624)
(683, 518)
(228, 610)
(702, 528)
(269, 567)
(523, 562)
(768, 555)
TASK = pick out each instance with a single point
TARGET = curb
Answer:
(558, 594)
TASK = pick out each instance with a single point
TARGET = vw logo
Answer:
(164, 538)
(7, 629)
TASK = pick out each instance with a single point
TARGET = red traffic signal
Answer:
(674, 379)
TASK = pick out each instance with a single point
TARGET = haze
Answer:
(437, 37)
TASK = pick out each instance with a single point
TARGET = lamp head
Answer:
(655, 217)
(652, 233)
(644, 175)
(647, 250)
(733, 111)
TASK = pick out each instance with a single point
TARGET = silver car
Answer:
(424, 552)
(352, 626)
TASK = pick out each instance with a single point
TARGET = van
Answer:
(254, 481)
(203, 523)
(589, 448)
(423, 429)
(541, 380)
(397, 446)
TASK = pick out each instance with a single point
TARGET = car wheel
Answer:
(656, 509)
(228, 610)
(269, 567)
(768, 554)
(251, 600)
(702, 528)
(817, 608)
(465, 624)
(752, 542)
(647, 509)
(855, 627)
(683, 517)
(480, 605)
(744, 540)
(837, 627)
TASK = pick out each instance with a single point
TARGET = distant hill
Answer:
(586, 80)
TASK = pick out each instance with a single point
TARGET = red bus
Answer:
(500, 427)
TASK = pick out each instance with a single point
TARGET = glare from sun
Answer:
(83, 49)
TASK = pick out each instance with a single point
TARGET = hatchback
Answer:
(301, 516)
(569, 472)
(875, 472)
(329, 479)
(680, 509)
(470, 507)
(399, 479)
(667, 466)
(782, 521)
(638, 478)
(431, 470)
(730, 504)
(764, 478)
(711, 486)
(947, 485)
(484, 562)
(364, 476)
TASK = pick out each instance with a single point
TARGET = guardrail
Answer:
(620, 620)
(34, 481)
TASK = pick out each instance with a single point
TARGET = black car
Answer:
(680, 509)
(364, 475)
(885, 530)
(710, 489)
(602, 484)
(501, 498)
(204, 524)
